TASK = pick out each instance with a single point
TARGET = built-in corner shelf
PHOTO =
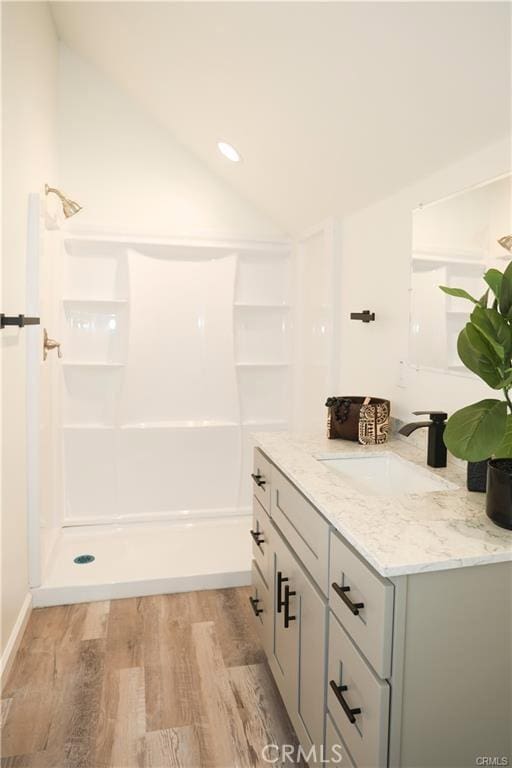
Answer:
(280, 423)
(71, 300)
(262, 365)
(181, 424)
(248, 305)
(78, 364)
(449, 262)
(81, 425)
(429, 251)
(191, 424)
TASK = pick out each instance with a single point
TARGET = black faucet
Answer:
(436, 454)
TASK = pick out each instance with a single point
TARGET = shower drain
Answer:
(83, 559)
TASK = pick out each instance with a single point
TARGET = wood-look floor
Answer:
(171, 680)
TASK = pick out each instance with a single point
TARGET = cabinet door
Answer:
(311, 611)
(300, 637)
(285, 657)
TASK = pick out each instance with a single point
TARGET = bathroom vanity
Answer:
(383, 599)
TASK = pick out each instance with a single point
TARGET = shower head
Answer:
(506, 242)
(69, 207)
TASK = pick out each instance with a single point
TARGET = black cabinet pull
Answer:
(254, 605)
(258, 537)
(345, 707)
(287, 594)
(258, 479)
(280, 580)
(342, 592)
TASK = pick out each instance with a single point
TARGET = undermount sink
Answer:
(385, 474)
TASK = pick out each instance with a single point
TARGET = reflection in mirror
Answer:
(455, 241)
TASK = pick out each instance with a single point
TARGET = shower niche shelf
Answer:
(259, 306)
(262, 365)
(262, 338)
(96, 331)
(185, 424)
(88, 301)
(78, 426)
(90, 364)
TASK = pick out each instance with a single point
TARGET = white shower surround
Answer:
(174, 351)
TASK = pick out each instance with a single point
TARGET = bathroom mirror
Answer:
(454, 241)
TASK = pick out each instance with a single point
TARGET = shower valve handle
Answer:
(49, 344)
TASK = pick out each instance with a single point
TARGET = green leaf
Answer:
(495, 329)
(477, 354)
(504, 449)
(506, 382)
(506, 292)
(475, 432)
(483, 300)
(494, 278)
(460, 293)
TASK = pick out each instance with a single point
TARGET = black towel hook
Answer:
(366, 316)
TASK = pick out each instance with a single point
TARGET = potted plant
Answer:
(484, 429)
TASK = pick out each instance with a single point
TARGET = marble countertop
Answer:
(397, 535)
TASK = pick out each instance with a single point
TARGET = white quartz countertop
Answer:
(397, 535)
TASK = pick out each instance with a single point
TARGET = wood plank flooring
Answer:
(172, 680)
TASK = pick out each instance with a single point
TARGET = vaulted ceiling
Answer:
(331, 105)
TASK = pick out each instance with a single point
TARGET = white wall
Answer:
(375, 253)
(130, 174)
(29, 79)
(316, 327)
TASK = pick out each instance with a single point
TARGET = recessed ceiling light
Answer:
(228, 151)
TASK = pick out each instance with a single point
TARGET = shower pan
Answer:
(174, 351)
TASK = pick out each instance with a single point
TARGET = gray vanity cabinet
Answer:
(412, 671)
(294, 630)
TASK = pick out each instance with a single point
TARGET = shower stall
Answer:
(173, 353)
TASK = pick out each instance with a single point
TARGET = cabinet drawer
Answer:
(370, 624)
(262, 608)
(261, 535)
(335, 750)
(304, 528)
(365, 732)
(261, 479)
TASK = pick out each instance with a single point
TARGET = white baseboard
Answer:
(14, 640)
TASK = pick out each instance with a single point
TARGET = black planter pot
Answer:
(477, 476)
(499, 492)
